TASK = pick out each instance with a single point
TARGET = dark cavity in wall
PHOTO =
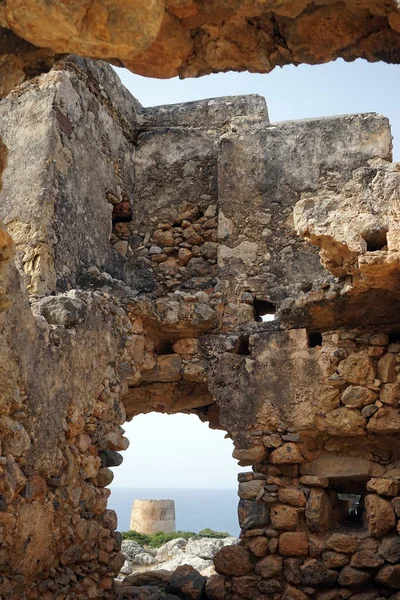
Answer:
(243, 345)
(376, 240)
(314, 339)
(394, 336)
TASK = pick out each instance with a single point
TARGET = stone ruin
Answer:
(141, 249)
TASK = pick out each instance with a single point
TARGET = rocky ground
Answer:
(178, 569)
(196, 552)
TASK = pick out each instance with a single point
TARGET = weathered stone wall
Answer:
(149, 243)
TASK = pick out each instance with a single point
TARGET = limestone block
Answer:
(286, 454)
(314, 481)
(386, 368)
(380, 515)
(258, 545)
(340, 467)
(356, 396)
(358, 369)
(385, 420)
(318, 511)
(292, 496)
(390, 393)
(284, 517)
(250, 490)
(384, 487)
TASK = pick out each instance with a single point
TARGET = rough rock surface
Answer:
(193, 37)
(141, 251)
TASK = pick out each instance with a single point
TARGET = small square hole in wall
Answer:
(348, 504)
(376, 240)
(163, 347)
(264, 310)
(314, 339)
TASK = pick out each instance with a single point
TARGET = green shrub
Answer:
(210, 533)
(155, 540)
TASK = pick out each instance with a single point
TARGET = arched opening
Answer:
(176, 458)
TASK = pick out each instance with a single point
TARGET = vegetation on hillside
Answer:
(155, 540)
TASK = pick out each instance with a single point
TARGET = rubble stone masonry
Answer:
(147, 245)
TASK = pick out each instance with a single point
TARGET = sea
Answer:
(195, 509)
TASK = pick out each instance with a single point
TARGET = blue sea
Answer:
(195, 509)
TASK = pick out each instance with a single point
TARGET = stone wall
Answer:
(149, 244)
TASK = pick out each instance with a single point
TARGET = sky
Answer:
(175, 451)
(179, 450)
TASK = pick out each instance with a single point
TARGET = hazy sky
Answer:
(175, 451)
(179, 450)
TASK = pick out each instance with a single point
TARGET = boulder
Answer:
(206, 548)
(389, 576)
(357, 396)
(351, 577)
(366, 559)
(215, 587)
(233, 560)
(269, 566)
(171, 549)
(334, 560)
(187, 583)
(131, 549)
(315, 573)
(390, 549)
(199, 564)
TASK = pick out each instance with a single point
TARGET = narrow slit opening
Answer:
(314, 339)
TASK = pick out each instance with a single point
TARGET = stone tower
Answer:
(151, 516)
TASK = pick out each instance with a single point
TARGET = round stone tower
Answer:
(150, 516)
